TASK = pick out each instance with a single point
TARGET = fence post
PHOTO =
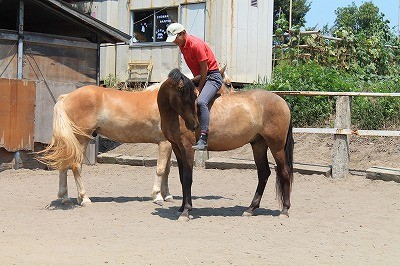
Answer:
(92, 151)
(200, 158)
(340, 160)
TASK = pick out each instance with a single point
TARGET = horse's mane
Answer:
(188, 86)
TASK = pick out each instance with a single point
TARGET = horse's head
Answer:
(178, 90)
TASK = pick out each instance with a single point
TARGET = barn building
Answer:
(239, 32)
(47, 48)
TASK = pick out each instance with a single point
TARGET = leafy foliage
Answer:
(110, 81)
(364, 43)
(299, 11)
(367, 112)
(362, 55)
(369, 38)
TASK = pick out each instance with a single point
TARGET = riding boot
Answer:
(201, 144)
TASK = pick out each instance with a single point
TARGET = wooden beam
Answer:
(384, 173)
(328, 93)
(345, 131)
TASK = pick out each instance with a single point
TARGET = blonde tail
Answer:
(64, 151)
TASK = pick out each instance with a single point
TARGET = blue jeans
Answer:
(211, 87)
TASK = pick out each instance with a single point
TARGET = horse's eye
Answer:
(180, 90)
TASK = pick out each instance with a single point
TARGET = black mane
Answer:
(188, 86)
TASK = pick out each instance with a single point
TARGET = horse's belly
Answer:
(232, 128)
(219, 142)
(132, 133)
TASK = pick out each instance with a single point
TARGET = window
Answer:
(150, 26)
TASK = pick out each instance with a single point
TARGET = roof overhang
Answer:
(59, 18)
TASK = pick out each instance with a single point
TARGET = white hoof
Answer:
(158, 199)
(85, 202)
(158, 202)
(183, 218)
(169, 198)
(247, 214)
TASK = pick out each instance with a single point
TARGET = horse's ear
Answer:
(222, 70)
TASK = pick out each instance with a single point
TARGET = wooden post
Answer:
(340, 160)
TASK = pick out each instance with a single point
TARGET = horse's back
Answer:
(238, 118)
(119, 115)
(253, 105)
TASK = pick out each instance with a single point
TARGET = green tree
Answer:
(299, 11)
(371, 39)
(366, 19)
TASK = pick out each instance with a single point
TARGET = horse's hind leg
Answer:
(283, 181)
(263, 171)
(82, 198)
(160, 188)
(63, 187)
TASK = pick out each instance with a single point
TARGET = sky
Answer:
(322, 12)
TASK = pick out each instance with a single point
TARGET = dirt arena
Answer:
(350, 221)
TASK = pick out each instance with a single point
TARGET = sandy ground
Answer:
(350, 221)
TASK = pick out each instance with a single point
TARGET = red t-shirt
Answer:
(196, 50)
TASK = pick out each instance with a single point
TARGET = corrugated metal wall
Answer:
(239, 34)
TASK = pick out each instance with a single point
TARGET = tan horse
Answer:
(258, 117)
(128, 117)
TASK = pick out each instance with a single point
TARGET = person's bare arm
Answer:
(203, 74)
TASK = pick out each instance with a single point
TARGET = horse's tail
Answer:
(64, 150)
(289, 146)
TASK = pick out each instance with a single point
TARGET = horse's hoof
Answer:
(86, 202)
(159, 202)
(284, 213)
(66, 201)
(184, 218)
(169, 198)
(247, 214)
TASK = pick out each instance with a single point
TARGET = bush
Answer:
(110, 81)
(367, 112)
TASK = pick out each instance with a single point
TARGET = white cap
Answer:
(173, 30)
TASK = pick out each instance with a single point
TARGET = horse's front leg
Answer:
(82, 198)
(160, 188)
(185, 157)
(63, 187)
(186, 181)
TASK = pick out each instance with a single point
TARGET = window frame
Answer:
(153, 43)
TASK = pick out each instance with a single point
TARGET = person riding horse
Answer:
(201, 61)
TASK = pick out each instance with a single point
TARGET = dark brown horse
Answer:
(258, 117)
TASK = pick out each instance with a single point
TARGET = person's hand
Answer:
(197, 91)
(196, 79)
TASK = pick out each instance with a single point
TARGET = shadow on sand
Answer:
(172, 212)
